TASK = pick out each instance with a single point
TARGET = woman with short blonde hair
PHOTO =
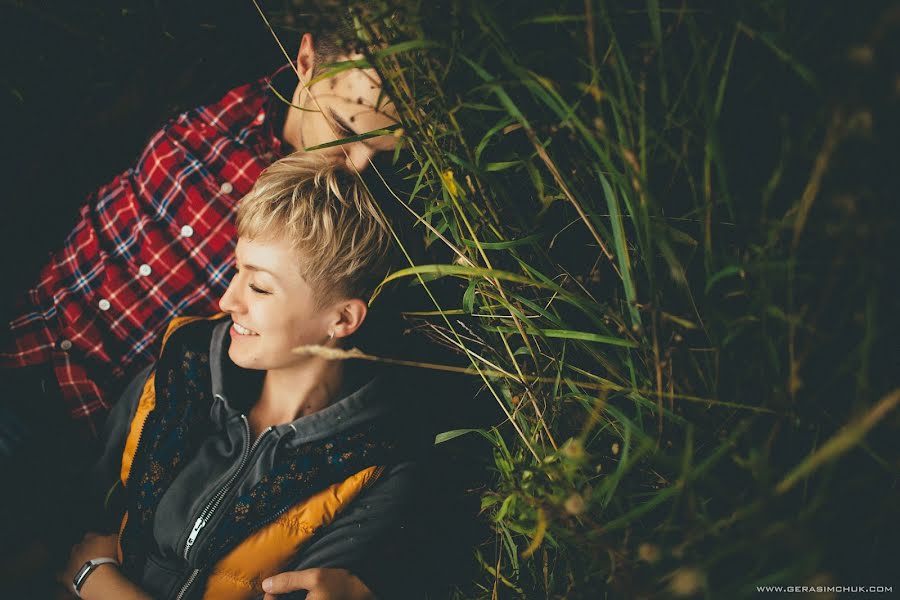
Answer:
(240, 458)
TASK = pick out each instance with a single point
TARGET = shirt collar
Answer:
(281, 83)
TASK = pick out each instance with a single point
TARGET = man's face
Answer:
(344, 105)
(273, 308)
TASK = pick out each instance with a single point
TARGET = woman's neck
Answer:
(289, 394)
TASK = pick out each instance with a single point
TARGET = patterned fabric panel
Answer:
(172, 433)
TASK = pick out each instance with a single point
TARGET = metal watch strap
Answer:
(88, 568)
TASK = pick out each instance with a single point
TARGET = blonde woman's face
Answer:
(347, 104)
(273, 308)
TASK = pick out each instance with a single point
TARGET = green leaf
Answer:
(356, 138)
(481, 106)
(465, 272)
(802, 70)
(552, 19)
(655, 23)
(502, 166)
(726, 272)
(332, 69)
(584, 336)
(504, 245)
(504, 508)
(621, 246)
(845, 439)
(487, 137)
(449, 435)
(405, 47)
(469, 297)
(588, 337)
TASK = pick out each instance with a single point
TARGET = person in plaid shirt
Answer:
(158, 242)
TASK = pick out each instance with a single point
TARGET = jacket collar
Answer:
(236, 389)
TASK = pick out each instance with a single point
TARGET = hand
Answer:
(93, 545)
(322, 584)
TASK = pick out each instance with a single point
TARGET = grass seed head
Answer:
(649, 553)
(686, 581)
(575, 505)
(573, 449)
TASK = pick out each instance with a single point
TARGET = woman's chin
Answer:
(241, 359)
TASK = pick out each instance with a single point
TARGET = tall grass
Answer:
(670, 225)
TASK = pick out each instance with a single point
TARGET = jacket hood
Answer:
(364, 396)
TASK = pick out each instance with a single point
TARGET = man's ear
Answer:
(306, 58)
(351, 314)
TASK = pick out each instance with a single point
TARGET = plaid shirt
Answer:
(156, 242)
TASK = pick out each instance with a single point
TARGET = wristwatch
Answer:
(88, 568)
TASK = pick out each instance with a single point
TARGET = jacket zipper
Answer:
(374, 479)
(213, 504)
(211, 507)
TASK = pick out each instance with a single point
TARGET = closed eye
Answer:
(341, 125)
(259, 290)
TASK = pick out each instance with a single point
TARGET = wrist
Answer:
(360, 589)
(87, 575)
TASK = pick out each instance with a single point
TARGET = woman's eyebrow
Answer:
(259, 270)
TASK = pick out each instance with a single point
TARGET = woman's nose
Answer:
(358, 156)
(228, 302)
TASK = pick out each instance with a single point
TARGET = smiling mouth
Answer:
(241, 330)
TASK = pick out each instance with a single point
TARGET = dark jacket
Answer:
(372, 536)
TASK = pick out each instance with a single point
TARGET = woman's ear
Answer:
(306, 58)
(350, 316)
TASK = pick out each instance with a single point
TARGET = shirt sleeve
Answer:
(378, 538)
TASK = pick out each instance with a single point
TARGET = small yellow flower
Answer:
(450, 183)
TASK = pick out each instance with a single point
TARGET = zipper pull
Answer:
(198, 525)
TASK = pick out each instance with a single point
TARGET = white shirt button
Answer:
(226, 188)
(103, 304)
(187, 231)
(65, 345)
(145, 270)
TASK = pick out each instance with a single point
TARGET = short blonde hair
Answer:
(327, 215)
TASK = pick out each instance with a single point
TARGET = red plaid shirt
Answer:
(156, 242)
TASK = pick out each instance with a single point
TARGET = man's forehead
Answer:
(359, 79)
(357, 86)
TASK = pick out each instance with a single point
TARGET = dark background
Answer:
(85, 84)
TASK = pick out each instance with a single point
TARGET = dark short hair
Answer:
(336, 41)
